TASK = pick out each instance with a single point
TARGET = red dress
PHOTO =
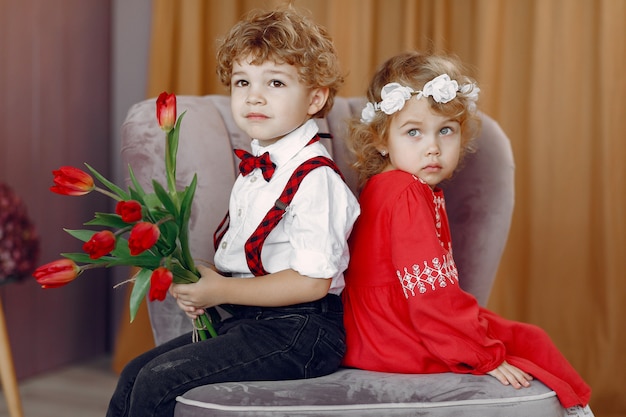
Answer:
(405, 311)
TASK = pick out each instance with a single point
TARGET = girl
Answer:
(404, 309)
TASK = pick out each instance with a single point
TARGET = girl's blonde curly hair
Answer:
(411, 69)
(283, 36)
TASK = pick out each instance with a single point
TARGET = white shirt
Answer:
(312, 236)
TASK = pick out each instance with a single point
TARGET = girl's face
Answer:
(268, 100)
(423, 143)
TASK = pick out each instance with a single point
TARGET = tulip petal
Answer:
(71, 181)
(160, 282)
(57, 273)
(142, 237)
(100, 244)
(166, 111)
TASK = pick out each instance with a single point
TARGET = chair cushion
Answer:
(353, 392)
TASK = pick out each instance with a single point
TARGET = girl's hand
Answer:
(509, 374)
(195, 297)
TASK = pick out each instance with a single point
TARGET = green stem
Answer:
(92, 266)
(204, 325)
(207, 322)
(200, 329)
(186, 251)
(107, 193)
(184, 275)
(170, 167)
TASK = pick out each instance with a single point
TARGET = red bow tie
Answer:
(249, 162)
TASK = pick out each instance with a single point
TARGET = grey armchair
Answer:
(480, 203)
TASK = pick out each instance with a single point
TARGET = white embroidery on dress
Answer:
(439, 273)
(440, 205)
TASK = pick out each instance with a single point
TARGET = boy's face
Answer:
(268, 101)
(423, 143)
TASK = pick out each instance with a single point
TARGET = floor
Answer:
(81, 390)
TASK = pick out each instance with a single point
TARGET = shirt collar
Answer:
(288, 146)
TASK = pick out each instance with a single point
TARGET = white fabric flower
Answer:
(368, 113)
(471, 92)
(442, 89)
(394, 96)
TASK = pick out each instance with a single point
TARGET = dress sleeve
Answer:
(446, 318)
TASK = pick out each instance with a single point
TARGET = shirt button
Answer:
(224, 244)
(239, 213)
(253, 179)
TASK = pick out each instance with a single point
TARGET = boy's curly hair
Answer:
(411, 69)
(283, 36)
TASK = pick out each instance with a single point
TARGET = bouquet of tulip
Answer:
(157, 225)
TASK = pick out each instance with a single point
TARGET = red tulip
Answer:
(166, 111)
(57, 273)
(100, 244)
(130, 211)
(71, 181)
(160, 282)
(142, 237)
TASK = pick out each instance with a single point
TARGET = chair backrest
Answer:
(479, 198)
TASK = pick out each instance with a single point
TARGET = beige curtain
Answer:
(552, 73)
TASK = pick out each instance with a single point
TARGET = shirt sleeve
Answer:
(318, 223)
(446, 318)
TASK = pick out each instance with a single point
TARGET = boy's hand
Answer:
(282, 288)
(509, 374)
(195, 297)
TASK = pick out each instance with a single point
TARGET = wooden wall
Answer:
(55, 110)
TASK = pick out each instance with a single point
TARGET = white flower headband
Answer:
(442, 89)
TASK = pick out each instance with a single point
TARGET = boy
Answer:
(279, 264)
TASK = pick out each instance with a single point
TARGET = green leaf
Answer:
(165, 199)
(154, 209)
(185, 208)
(82, 234)
(107, 220)
(140, 288)
(143, 260)
(172, 141)
(185, 205)
(180, 119)
(83, 258)
(153, 202)
(114, 188)
(138, 189)
(121, 256)
(137, 193)
(169, 235)
(183, 275)
(134, 195)
(121, 248)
